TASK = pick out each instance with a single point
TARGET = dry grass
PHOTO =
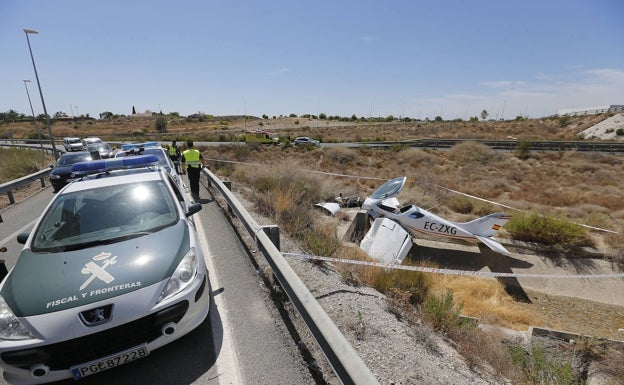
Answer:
(327, 131)
(552, 185)
(285, 181)
(486, 299)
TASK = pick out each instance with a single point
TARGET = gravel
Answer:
(395, 351)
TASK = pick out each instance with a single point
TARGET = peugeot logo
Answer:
(97, 315)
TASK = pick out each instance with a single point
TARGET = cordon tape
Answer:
(438, 186)
(434, 270)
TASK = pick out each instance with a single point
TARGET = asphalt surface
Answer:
(243, 341)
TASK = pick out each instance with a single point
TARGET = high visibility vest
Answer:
(191, 157)
(172, 150)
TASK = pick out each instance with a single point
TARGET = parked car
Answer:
(111, 271)
(149, 148)
(103, 150)
(72, 144)
(305, 141)
(61, 173)
(88, 141)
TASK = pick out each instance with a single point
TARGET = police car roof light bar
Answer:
(128, 146)
(105, 165)
(134, 146)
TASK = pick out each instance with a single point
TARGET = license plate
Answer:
(105, 363)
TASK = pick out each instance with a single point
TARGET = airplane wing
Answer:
(494, 245)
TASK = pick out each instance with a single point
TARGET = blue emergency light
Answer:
(105, 165)
(149, 144)
(128, 146)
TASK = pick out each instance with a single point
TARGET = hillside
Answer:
(579, 187)
(232, 128)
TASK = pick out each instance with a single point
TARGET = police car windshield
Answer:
(98, 146)
(100, 215)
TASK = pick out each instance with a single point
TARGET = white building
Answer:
(591, 110)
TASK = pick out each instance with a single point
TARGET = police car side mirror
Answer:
(193, 209)
(21, 238)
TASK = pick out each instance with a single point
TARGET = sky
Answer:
(369, 58)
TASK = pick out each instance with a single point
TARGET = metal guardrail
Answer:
(30, 145)
(510, 145)
(346, 363)
(11, 186)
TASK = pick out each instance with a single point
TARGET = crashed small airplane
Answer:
(388, 242)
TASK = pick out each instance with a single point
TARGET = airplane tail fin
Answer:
(486, 226)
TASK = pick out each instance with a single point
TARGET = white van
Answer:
(72, 144)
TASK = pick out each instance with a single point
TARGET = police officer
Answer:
(174, 155)
(192, 162)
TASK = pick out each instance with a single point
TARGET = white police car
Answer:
(111, 271)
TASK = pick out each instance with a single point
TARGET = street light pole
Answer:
(45, 111)
(33, 114)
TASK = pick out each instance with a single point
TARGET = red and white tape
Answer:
(434, 270)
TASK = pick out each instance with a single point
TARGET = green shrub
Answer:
(537, 228)
(442, 313)
(160, 125)
(539, 367)
(319, 240)
(524, 149)
(415, 283)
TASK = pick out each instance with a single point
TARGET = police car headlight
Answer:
(10, 327)
(183, 275)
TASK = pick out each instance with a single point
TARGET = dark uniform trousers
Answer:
(193, 176)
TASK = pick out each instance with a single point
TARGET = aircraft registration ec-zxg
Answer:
(385, 235)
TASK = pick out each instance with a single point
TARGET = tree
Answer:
(106, 115)
(484, 115)
(389, 118)
(133, 110)
(10, 116)
(322, 116)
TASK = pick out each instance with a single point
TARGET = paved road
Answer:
(243, 342)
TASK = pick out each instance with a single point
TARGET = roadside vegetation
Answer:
(549, 195)
(285, 183)
(19, 162)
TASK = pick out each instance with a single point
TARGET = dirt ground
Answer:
(577, 316)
